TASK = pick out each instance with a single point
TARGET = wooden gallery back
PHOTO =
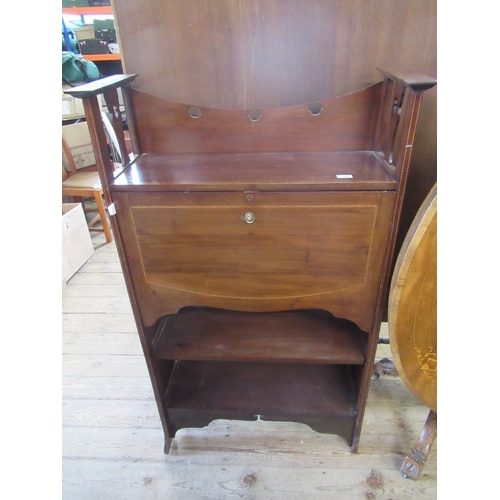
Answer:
(257, 215)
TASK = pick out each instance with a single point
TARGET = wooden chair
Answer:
(85, 185)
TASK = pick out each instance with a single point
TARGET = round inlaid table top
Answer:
(412, 312)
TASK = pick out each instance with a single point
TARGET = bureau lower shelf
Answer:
(321, 396)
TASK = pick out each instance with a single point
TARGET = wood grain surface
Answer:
(304, 250)
(268, 53)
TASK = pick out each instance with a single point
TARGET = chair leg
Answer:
(104, 219)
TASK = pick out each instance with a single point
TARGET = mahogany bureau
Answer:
(257, 247)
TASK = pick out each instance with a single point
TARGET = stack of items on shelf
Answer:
(97, 38)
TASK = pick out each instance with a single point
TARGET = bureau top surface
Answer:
(300, 171)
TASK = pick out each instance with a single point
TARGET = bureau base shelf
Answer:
(321, 396)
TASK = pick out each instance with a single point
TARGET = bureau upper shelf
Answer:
(307, 336)
(276, 171)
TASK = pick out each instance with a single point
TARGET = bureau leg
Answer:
(168, 443)
(415, 460)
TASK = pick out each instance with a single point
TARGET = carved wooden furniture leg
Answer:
(415, 460)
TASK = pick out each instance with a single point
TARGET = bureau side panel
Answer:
(258, 252)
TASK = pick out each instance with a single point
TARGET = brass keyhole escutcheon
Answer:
(254, 115)
(249, 217)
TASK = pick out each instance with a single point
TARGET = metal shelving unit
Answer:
(88, 11)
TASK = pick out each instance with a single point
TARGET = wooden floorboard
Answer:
(113, 442)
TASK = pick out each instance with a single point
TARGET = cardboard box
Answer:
(77, 245)
(72, 108)
(77, 136)
(85, 32)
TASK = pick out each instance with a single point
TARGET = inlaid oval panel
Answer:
(268, 251)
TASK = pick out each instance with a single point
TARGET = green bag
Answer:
(77, 69)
